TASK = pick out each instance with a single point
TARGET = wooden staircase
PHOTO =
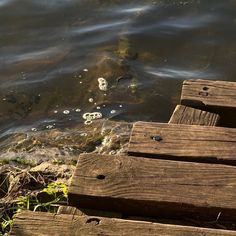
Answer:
(176, 179)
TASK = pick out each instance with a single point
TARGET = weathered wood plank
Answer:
(214, 96)
(88, 212)
(202, 93)
(46, 224)
(184, 142)
(187, 221)
(69, 210)
(152, 187)
(191, 116)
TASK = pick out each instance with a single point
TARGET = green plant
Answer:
(4, 162)
(55, 187)
(57, 192)
(58, 162)
(23, 203)
(23, 161)
(6, 224)
(46, 200)
(18, 160)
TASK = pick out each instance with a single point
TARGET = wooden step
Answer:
(214, 96)
(151, 187)
(47, 224)
(69, 210)
(191, 116)
(184, 142)
(88, 212)
(186, 221)
(202, 93)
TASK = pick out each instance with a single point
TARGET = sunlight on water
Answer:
(134, 9)
(188, 22)
(36, 55)
(5, 2)
(175, 73)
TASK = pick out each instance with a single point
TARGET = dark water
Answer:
(53, 52)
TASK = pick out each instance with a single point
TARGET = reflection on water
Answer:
(175, 73)
(53, 52)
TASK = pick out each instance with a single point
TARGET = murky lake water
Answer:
(53, 52)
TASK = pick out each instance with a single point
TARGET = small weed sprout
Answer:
(58, 192)
(23, 203)
(55, 187)
(48, 199)
(6, 224)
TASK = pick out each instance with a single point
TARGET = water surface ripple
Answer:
(53, 52)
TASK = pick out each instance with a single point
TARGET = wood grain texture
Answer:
(152, 187)
(86, 212)
(184, 142)
(69, 210)
(202, 93)
(47, 224)
(191, 116)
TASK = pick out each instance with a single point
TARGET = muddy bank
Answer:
(35, 164)
(64, 145)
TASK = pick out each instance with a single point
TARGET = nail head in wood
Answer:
(157, 138)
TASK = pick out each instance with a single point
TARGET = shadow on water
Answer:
(53, 52)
